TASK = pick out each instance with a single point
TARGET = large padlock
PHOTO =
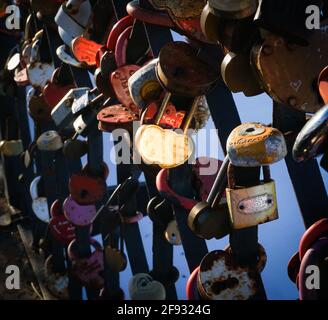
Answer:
(143, 287)
(221, 278)
(77, 214)
(49, 141)
(11, 148)
(56, 283)
(253, 145)
(312, 141)
(253, 205)
(178, 76)
(89, 270)
(287, 19)
(62, 114)
(61, 229)
(288, 71)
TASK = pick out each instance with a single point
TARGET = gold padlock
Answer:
(172, 233)
(251, 206)
(11, 148)
(49, 141)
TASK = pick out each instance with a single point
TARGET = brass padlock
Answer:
(172, 233)
(254, 205)
(253, 145)
(11, 148)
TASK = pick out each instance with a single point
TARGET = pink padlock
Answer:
(88, 270)
(79, 215)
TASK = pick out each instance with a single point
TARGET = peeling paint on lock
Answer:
(220, 278)
(143, 287)
(253, 145)
(39, 74)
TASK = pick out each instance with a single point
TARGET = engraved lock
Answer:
(177, 75)
(11, 148)
(287, 71)
(62, 114)
(144, 86)
(88, 270)
(221, 278)
(286, 19)
(72, 24)
(49, 141)
(238, 74)
(75, 149)
(143, 287)
(211, 218)
(56, 283)
(61, 229)
(251, 206)
(235, 9)
(312, 140)
(79, 215)
(116, 116)
(61, 82)
(85, 50)
(253, 145)
(172, 233)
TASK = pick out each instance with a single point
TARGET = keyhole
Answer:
(249, 130)
(84, 193)
(178, 72)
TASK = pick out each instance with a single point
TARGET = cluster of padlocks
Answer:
(91, 67)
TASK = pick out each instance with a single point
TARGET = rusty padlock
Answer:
(56, 283)
(77, 214)
(85, 188)
(288, 71)
(312, 141)
(61, 229)
(89, 270)
(221, 278)
(143, 287)
(49, 141)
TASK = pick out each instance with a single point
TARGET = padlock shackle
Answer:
(162, 108)
(122, 46)
(191, 114)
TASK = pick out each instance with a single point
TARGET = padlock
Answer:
(49, 141)
(75, 149)
(65, 56)
(253, 205)
(160, 211)
(312, 140)
(56, 283)
(35, 187)
(323, 85)
(191, 286)
(316, 256)
(85, 50)
(221, 278)
(143, 287)
(86, 189)
(116, 116)
(72, 24)
(211, 218)
(235, 9)
(239, 76)
(38, 108)
(287, 19)
(61, 82)
(21, 77)
(61, 229)
(164, 147)
(11, 148)
(77, 214)
(13, 62)
(172, 233)
(62, 114)
(41, 209)
(288, 71)
(144, 86)
(88, 270)
(253, 145)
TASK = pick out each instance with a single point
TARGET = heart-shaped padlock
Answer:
(79, 215)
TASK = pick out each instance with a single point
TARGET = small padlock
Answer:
(253, 145)
(251, 206)
(323, 85)
(143, 287)
(75, 149)
(56, 283)
(312, 140)
(172, 233)
(89, 270)
(11, 148)
(49, 141)
(85, 50)
(77, 214)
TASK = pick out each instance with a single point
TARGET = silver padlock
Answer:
(49, 141)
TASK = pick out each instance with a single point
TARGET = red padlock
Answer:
(61, 229)
(88, 270)
(294, 267)
(79, 215)
(191, 287)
